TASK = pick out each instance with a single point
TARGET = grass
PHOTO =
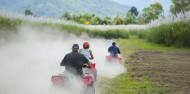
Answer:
(125, 83)
(7, 24)
(174, 34)
(129, 46)
(138, 44)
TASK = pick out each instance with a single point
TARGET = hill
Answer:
(55, 8)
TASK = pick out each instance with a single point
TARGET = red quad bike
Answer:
(88, 79)
(112, 59)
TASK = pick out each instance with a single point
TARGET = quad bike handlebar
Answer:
(92, 66)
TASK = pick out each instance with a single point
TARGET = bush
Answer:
(6, 23)
(174, 34)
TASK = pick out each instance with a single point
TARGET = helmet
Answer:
(86, 45)
(75, 47)
(113, 43)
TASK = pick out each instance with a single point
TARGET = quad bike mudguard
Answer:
(88, 79)
(109, 58)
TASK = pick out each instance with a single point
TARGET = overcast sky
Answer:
(141, 4)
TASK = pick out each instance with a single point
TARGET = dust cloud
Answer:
(31, 56)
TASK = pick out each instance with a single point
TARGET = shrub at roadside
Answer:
(175, 34)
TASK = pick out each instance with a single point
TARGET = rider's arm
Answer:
(89, 65)
(63, 61)
(118, 51)
(86, 61)
(109, 49)
(91, 55)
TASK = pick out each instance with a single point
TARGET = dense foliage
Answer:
(150, 13)
(92, 19)
(8, 23)
(179, 6)
(174, 34)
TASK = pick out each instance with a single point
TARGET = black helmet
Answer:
(75, 47)
(113, 43)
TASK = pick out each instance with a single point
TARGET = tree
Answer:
(67, 16)
(84, 21)
(179, 6)
(107, 20)
(117, 21)
(134, 11)
(152, 12)
(88, 16)
(76, 17)
(95, 20)
(131, 16)
(140, 19)
(28, 12)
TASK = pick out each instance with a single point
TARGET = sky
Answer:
(141, 4)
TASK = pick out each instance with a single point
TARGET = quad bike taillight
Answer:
(93, 66)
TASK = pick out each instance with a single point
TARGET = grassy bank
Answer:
(129, 46)
(8, 24)
(136, 80)
(174, 34)
(125, 84)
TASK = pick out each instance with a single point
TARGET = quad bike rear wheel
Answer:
(94, 73)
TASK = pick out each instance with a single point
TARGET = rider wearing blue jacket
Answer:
(114, 50)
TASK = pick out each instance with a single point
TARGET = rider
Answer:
(88, 54)
(74, 61)
(114, 50)
(86, 51)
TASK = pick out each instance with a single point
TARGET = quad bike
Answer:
(113, 59)
(88, 80)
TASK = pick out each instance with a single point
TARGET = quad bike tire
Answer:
(94, 73)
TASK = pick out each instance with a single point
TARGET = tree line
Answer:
(92, 19)
(132, 16)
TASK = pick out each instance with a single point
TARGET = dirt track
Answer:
(167, 68)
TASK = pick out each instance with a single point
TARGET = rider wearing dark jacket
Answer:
(74, 61)
(114, 50)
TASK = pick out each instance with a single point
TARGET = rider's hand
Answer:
(91, 58)
(89, 66)
(61, 64)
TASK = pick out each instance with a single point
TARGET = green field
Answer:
(142, 74)
(129, 46)
(128, 83)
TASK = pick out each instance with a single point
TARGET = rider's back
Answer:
(113, 49)
(85, 52)
(73, 62)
